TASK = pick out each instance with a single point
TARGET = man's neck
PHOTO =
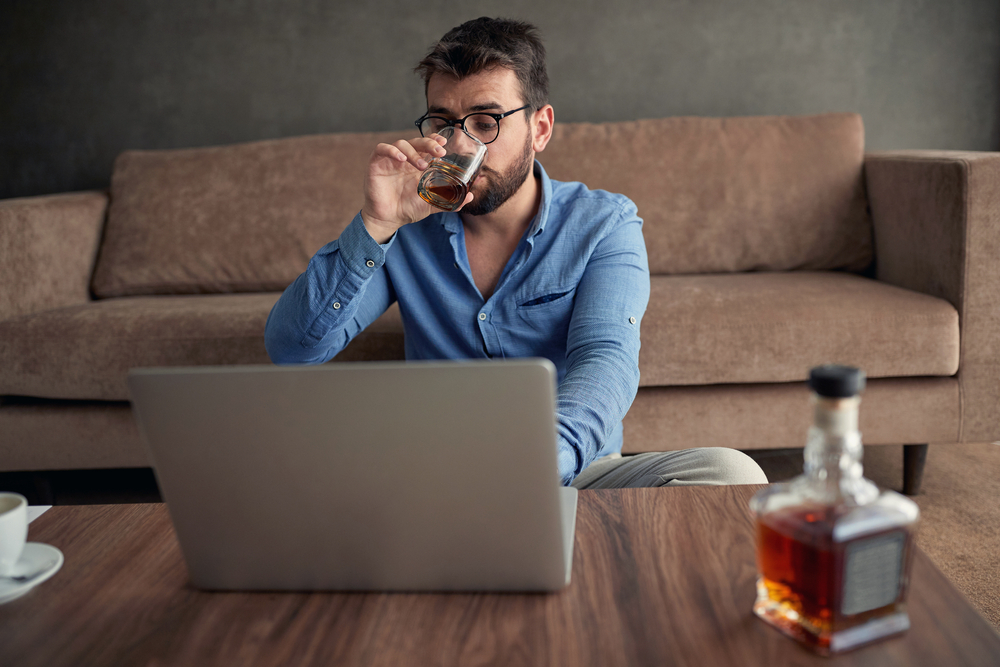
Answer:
(512, 219)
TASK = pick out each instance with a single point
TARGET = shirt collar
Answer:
(538, 224)
(452, 222)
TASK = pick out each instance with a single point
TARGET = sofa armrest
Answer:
(47, 250)
(936, 216)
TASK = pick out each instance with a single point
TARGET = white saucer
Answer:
(34, 556)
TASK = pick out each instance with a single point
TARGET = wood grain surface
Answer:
(660, 577)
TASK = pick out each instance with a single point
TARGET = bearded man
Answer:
(527, 267)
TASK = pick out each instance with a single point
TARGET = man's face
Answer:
(509, 161)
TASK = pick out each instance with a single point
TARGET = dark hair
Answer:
(484, 44)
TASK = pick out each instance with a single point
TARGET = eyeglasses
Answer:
(483, 126)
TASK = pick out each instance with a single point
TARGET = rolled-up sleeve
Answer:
(602, 375)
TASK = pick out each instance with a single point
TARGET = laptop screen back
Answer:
(361, 476)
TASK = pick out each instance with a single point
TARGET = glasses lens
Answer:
(431, 126)
(482, 127)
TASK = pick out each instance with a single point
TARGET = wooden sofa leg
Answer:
(914, 458)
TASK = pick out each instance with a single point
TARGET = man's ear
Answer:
(542, 122)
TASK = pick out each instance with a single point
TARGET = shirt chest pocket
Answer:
(547, 310)
(544, 299)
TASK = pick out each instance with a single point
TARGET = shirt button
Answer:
(482, 316)
(632, 320)
(336, 305)
(369, 264)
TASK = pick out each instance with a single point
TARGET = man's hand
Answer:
(391, 198)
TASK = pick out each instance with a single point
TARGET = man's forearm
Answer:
(341, 292)
(602, 352)
(593, 399)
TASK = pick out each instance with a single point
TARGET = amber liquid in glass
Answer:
(451, 195)
(445, 183)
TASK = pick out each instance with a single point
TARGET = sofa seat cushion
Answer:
(774, 327)
(85, 352)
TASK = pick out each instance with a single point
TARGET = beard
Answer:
(498, 188)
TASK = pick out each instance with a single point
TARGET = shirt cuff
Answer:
(566, 461)
(361, 253)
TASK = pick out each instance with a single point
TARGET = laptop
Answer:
(367, 476)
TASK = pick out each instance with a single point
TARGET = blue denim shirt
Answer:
(574, 291)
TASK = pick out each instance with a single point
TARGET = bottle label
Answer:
(873, 568)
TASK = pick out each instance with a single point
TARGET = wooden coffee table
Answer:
(660, 577)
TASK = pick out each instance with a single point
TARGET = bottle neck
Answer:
(833, 451)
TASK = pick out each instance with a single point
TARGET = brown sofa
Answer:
(775, 244)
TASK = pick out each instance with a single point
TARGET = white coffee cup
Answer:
(13, 529)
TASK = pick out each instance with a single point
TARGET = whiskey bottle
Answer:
(833, 551)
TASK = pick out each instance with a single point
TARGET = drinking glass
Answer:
(445, 182)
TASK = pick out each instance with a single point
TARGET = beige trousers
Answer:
(687, 467)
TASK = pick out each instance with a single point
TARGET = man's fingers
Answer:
(432, 145)
(412, 156)
(413, 151)
(390, 151)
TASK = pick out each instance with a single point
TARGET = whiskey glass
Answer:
(446, 180)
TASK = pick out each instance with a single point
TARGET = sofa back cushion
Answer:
(240, 218)
(717, 195)
(720, 195)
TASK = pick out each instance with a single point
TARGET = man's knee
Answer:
(733, 466)
(706, 465)
(689, 467)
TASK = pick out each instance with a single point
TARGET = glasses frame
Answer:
(461, 121)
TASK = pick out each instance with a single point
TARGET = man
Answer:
(527, 267)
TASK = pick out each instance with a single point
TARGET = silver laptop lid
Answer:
(360, 476)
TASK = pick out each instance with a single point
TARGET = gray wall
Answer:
(82, 80)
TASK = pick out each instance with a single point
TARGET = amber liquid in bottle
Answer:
(833, 552)
(802, 573)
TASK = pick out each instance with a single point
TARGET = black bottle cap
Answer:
(834, 381)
